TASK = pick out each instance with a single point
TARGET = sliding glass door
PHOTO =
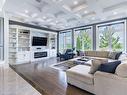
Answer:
(1, 40)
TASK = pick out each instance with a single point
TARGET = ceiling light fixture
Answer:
(115, 13)
(26, 11)
(56, 21)
(75, 2)
(44, 17)
(85, 12)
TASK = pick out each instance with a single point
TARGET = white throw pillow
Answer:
(123, 57)
(95, 65)
(121, 70)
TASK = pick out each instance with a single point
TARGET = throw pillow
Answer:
(95, 65)
(112, 55)
(81, 53)
(109, 67)
(118, 55)
(123, 57)
(121, 70)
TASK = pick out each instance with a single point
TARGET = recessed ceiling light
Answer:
(26, 11)
(115, 13)
(85, 12)
(44, 17)
(75, 2)
(57, 21)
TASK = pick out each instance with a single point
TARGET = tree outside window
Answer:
(83, 39)
(112, 37)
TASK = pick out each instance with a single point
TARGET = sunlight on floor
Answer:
(12, 84)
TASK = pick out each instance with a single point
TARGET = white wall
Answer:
(6, 37)
(2, 2)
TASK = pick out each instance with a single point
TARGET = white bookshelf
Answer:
(53, 45)
(19, 45)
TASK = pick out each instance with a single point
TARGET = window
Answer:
(65, 40)
(83, 39)
(111, 36)
(1, 39)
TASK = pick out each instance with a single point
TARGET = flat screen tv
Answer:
(39, 41)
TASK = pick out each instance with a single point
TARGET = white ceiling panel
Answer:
(62, 14)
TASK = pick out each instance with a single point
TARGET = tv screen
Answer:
(39, 41)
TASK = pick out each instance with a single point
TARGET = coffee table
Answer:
(80, 61)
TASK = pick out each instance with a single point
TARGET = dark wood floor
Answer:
(47, 80)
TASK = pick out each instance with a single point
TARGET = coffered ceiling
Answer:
(63, 14)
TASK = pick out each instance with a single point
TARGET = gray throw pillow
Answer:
(123, 57)
(112, 55)
(96, 64)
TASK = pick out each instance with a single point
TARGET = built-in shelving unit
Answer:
(20, 45)
(53, 44)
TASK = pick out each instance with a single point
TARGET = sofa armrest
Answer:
(109, 84)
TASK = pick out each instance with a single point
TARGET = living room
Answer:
(63, 47)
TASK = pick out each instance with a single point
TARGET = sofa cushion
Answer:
(102, 54)
(121, 70)
(80, 72)
(96, 64)
(109, 67)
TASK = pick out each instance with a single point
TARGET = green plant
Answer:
(86, 41)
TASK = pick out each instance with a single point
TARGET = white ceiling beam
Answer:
(93, 4)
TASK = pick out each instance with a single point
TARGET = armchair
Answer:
(69, 54)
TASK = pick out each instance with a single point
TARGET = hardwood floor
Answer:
(47, 80)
